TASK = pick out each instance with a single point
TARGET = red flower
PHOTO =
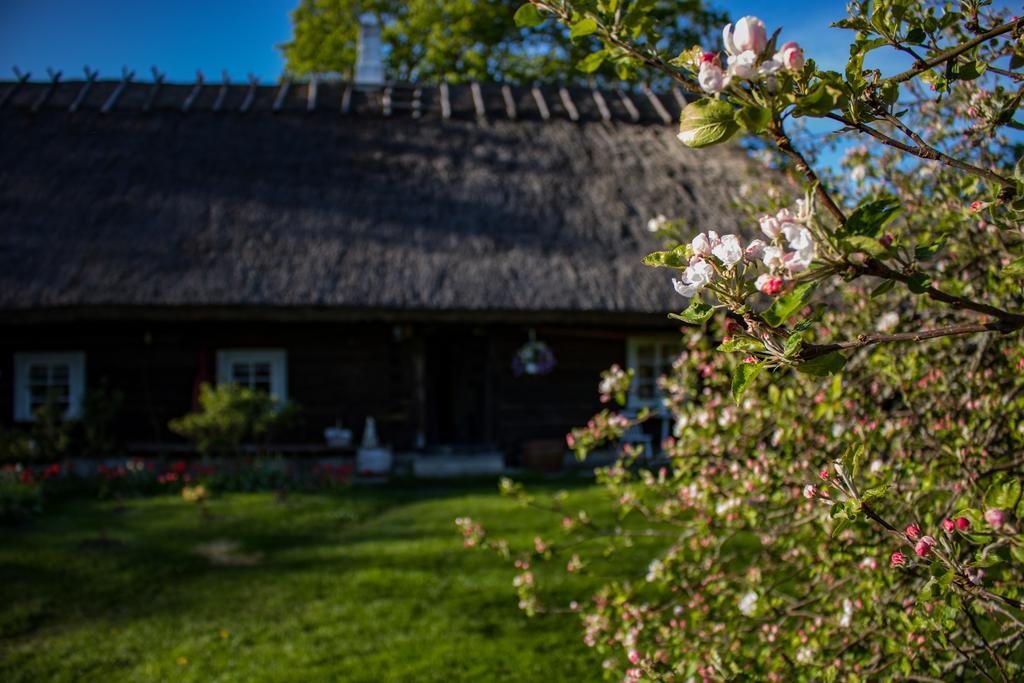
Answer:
(897, 559)
(913, 531)
(963, 524)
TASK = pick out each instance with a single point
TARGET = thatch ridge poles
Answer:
(187, 104)
(542, 106)
(417, 102)
(478, 101)
(158, 81)
(680, 97)
(602, 105)
(570, 106)
(446, 103)
(311, 90)
(510, 103)
(282, 92)
(48, 90)
(223, 92)
(627, 102)
(22, 77)
(666, 118)
(90, 78)
(126, 78)
(346, 99)
(250, 94)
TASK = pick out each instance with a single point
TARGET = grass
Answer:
(370, 584)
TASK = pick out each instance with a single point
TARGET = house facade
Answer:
(378, 253)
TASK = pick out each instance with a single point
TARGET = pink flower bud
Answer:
(994, 517)
(924, 546)
(750, 34)
(885, 241)
(768, 284)
(823, 474)
(810, 491)
(963, 524)
(791, 55)
(897, 559)
(948, 525)
(913, 531)
(976, 206)
(634, 657)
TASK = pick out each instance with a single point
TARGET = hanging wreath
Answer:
(533, 358)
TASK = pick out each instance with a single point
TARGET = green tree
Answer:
(461, 40)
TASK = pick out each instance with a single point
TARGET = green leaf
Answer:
(829, 364)
(754, 119)
(591, 62)
(882, 288)
(695, 314)
(919, 283)
(815, 316)
(676, 258)
(583, 27)
(916, 35)
(786, 305)
(528, 16)
(869, 218)
(793, 344)
(742, 376)
(865, 244)
(707, 122)
(874, 492)
(926, 252)
(1015, 267)
(741, 344)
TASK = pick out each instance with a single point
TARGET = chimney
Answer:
(369, 67)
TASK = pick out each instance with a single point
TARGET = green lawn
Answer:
(369, 584)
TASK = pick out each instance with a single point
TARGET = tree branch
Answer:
(954, 52)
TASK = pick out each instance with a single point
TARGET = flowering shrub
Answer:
(841, 495)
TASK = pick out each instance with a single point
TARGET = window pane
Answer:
(59, 375)
(241, 374)
(38, 375)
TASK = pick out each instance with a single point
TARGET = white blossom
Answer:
(887, 321)
(694, 278)
(754, 250)
(770, 226)
(748, 603)
(743, 65)
(657, 223)
(728, 250)
(798, 237)
(772, 257)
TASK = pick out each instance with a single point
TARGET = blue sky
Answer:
(184, 35)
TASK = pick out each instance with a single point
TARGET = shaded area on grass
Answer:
(369, 584)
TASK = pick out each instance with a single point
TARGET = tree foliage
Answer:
(462, 40)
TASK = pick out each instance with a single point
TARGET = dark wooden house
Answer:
(380, 253)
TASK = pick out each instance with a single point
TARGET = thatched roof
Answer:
(270, 196)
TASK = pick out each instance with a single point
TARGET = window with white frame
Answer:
(260, 369)
(48, 377)
(650, 358)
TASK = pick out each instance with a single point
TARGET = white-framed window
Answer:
(48, 376)
(259, 369)
(650, 357)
